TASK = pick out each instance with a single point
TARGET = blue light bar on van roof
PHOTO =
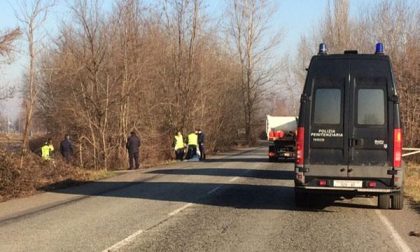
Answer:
(379, 49)
(322, 48)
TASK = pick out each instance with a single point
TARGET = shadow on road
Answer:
(240, 196)
(415, 206)
(246, 160)
(227, 172)
(237, 159)
(353, 205)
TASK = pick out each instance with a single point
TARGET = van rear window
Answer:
(370, 107)
(327, 106)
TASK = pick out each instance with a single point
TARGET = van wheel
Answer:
(301, 199)
(383, 201)
(397, 200)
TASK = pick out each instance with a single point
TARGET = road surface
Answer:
(232, 202)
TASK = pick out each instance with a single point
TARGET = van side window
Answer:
(370, 107)
(327, 106)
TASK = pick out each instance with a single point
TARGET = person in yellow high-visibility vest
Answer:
(47, 149)
(192, 145)
(179, 146)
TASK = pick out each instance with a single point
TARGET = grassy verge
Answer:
(412, 182)
(89, 175)
(36, 175)
(77, 177)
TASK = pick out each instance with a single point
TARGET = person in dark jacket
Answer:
(66, 148)
(201, 139)
(133, 145)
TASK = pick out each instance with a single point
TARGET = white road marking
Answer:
(233, 179)
(397, 238)
(124, 242)
(130, 238)
(214, 189)
(180, 209)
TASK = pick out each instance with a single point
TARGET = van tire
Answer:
(397, 200)
(384, 201)
(301, 199)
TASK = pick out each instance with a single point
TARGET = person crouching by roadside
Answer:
(192, 145)
(133, 146)
(47, 150)
(66, 149)
(179, 146)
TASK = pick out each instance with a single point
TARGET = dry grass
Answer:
(37, 175)
(412, 182)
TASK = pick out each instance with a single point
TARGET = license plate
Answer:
(348, 183)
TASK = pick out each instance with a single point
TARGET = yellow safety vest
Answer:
(179, 142)
(192, 139)
(46, 151)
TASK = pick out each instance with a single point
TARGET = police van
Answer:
(349, 139)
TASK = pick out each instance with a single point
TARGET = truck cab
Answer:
(349, 139)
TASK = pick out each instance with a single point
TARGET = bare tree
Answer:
(127, 25)
(183, 26)
(32, 16)
(7, 39)
(293, 74)
(248, 28)
(336, 27)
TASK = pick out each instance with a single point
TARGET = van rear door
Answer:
(369, 140)
(328, 151)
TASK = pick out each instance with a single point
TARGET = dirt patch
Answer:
(412, 182)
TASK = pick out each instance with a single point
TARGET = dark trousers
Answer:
(179, 154)
(133, 159)
(192, 151)
(202, 152)
(67, 157)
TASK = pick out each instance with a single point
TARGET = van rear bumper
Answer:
(348, 189)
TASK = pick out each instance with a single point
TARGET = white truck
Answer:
(281, 135)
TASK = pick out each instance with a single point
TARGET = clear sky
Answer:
(294, 17)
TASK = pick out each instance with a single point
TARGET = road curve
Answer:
(232, 202)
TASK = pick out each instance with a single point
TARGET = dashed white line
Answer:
(213, 190)
(130, 238)
(397, 238)
(180, 209)
(124, 242)
(233, 179)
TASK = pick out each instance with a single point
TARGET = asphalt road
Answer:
(232, 202)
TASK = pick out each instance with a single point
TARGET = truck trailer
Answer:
(281, 135)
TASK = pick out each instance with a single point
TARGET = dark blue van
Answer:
(349, 139)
